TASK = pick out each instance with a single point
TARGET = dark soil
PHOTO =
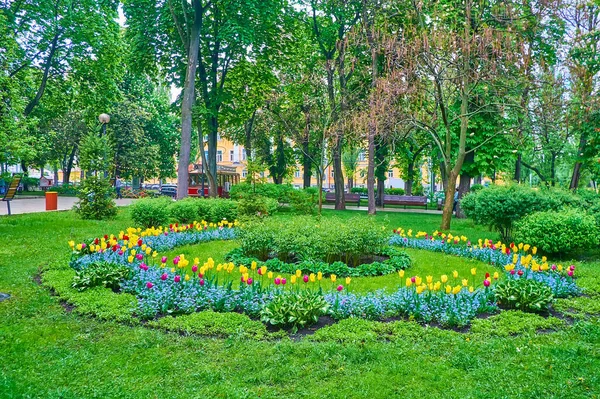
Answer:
(324, 321)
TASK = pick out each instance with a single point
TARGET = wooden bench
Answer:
(12, 190)
(404, 200)
(349, 197)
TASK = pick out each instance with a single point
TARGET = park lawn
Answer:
(48, 352)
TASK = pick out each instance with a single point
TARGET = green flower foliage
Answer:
(257, 206)
(299, 309)
(101, 274)
(559, 232)
(523, 294)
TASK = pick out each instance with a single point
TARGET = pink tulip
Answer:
(83, 245)
(553, 267)
(340, 287)
(201, 282)
(283, 281)
(177, 279)
(195, 268)
(570, 273)
(277, 280)
(176, 260)
(413, 279)
(163, 259)
(200, 275)
(149, 285)
(513, 271)
(305, 278)
(164, 276)
(572, 267)
(486, 283)
(120, 253)
(139, 256)
(249, 281)
(143, 266)
(259, 271)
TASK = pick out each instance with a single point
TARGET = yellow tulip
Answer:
(172, 270)
(187, 277)
(419, 289)
(437, 286)
(401, 273)
(333, 277)
(312, 277)
(544, 259)
(534, 250)
(72, 244)
(130, 259)
(270, 275)
(473, 271)
(560, 268)
(509, 267)
(196, 261)
(471, 289)
(408, 282)
(253, 265)
(298, 273)
(348, 280)
(444, 278)
(293, 279)
(496, 275)
(465, 282)
(526, 247)
(515, 259)
(319, 276)
(448, 289)
(456, 289)
(263, 270)
(455, 274)
(418, 280)
(429, 279)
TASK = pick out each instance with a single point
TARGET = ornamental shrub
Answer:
(309, 239)
(96, 199)
(221, 208)
(151, 212)
(394, 191)
(295, 309)
(279, 192)
(304, 201)
(558, 232)
(257, 206)
(500, 206)
(186, 210)
(523, 294)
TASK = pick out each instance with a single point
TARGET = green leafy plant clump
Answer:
(524, 294)
(559, 232)
(295, 309)
(100, 274)
(514, 322)
(257, 206)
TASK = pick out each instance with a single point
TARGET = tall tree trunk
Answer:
(380, 192)
(188, 102)
(464, 185)
(517, 176)
(55, 170)
(371, 208)
(410, 178)
(577, 167)
(213, 129)
(306, 161)
(40, 92)
(211, 178)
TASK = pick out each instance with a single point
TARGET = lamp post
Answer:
(104, 119)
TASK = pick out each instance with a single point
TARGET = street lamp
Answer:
(104, 119)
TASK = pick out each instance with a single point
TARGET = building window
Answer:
(231, 158)
(332, 174)
(219, 156)
(243, 154)
(390, 173)
(244, 173)
(262, 174)
(361, 156)
(297, 173)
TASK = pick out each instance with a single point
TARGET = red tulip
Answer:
(520, 272)
(487, 275)
(96, 241)
(140, 242)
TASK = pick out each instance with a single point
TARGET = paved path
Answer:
(350, 207)
(32, 205)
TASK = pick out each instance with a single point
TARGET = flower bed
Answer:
(178, 285)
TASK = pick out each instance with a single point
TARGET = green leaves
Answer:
(523, 294)
(295, 309)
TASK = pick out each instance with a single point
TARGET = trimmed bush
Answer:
(558, 232)
(151, 212)
(186, 210)
(304, 201)
(221, 208)
(257, 206)
(501, 206)
(279, 192)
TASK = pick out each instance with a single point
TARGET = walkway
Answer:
(32, 205)
(350, 207)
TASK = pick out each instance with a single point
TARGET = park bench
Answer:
(404, 200)
(12, 190)
(330, 197)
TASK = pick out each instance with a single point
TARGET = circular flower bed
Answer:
(178, 285)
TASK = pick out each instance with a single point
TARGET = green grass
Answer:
(47, 352)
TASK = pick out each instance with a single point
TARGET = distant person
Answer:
(455, 201)
(118, 187)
